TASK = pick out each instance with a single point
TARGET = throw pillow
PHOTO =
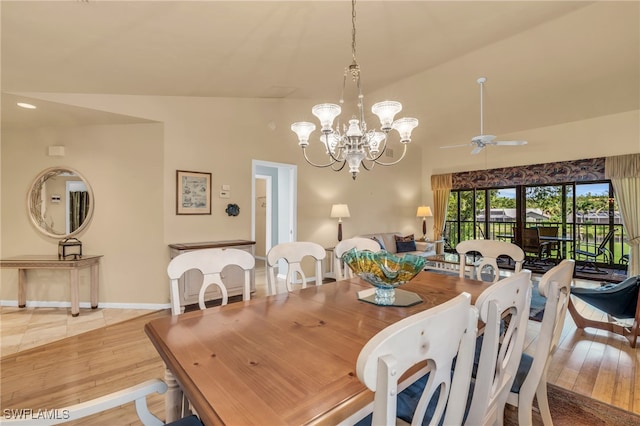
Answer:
(405, 244)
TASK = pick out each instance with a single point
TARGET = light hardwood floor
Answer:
(593, 363)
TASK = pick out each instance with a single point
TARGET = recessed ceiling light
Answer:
(26, 105)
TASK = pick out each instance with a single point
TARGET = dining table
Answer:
(286, 359)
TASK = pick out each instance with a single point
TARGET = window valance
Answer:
(591, 169)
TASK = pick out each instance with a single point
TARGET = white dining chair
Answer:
(210, 262)
(137, 394)
(341, 270)
(294, 253)
(531, 379)
(422, 338)
(489, 251)
(504, 311)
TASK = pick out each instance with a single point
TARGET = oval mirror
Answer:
(60, 202)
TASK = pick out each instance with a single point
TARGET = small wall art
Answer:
(193, 192)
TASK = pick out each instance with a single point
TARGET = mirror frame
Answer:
(34, 199)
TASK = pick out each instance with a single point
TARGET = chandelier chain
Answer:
(353, 30)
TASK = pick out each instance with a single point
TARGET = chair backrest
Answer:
(548, 231)
(555, 285)
(603, 245)
(508, 300)
(340, 269)
(489, 250)
(210, 262)
(293, 253)
(421, 337)
(531, 240)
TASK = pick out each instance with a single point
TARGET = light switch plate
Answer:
(224, 194)
(226, 187)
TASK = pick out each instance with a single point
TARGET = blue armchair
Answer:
(619, 301)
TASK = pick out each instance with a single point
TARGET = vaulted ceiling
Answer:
(546, 62)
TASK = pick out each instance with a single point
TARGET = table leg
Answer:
(94, 286)
(172, 398)
(75, 296)
(22, 290)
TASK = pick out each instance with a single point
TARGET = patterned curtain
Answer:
(624, 172)
(441, 186)
(79, 207)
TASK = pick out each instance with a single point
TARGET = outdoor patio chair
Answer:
(554, 246)
(590, 257)
(534, 249)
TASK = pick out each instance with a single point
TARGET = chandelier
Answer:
(355, 145)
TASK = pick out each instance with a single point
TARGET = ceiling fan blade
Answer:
(455, 146)
(477, 150)
(509, 143)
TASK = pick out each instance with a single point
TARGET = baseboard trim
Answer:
(87, 305)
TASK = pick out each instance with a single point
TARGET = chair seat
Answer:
(618, 300)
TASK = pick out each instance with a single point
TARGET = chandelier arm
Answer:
(304, 152)
(404, 151)
(342, 164)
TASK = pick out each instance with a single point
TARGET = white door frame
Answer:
(286, 200)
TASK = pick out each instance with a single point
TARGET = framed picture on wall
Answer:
(193, 192)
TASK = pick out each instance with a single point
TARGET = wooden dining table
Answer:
(287, 359)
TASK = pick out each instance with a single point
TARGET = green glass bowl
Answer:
(383, 269)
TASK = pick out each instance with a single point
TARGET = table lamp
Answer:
(423, 212)
(340, 211)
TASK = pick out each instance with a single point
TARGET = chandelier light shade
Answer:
(424, 212)
(355, 145)
(339, 211)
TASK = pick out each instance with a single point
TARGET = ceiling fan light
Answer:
(303, 129)
(405, 126)
(386, 111)
(326, 113)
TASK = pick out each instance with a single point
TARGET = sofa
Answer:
(387, 241)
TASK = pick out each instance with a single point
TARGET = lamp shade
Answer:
(424, 211)
(340, 211)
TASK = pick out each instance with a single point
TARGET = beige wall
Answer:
(123, 165)
(132, 169)
(221, 136)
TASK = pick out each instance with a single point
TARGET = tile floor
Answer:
(25, 328)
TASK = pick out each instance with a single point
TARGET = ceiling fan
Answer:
(481, 141)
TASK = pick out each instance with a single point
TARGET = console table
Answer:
(24, 263)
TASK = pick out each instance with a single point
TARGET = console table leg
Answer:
(75, 297)
(22, 290)
(94, 286)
